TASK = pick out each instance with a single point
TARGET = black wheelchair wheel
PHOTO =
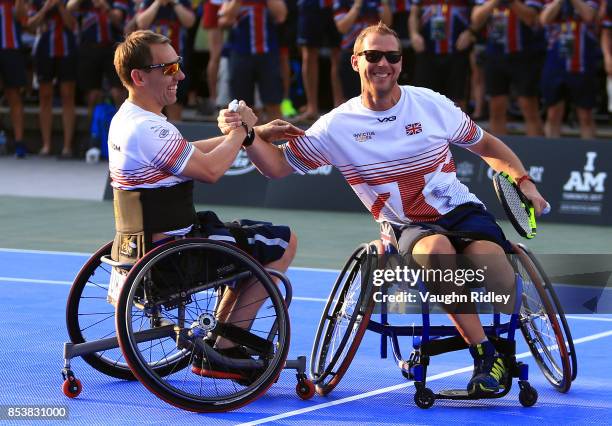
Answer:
(169, 310)
(541, 323)
(90, 317)
(344, 320)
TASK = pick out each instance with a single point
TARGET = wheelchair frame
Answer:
(92, 351)
(430, 340)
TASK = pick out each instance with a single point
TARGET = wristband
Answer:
(522, 179)
(250, 135)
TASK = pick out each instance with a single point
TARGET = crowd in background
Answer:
(537, 53)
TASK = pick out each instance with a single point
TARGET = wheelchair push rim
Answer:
(90, 317)
(548, 341)
(200, 296)
(343, 323)
(556, 304)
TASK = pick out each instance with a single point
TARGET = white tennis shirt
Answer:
(145, 150)
(397, 161)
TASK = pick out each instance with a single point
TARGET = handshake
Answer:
(238, 113)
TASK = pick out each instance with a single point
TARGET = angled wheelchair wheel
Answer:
(543, 323)
(344, 320)
(170, 309)
(90, 317)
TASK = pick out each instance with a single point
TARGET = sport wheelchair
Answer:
(167, 310)
(348, 314)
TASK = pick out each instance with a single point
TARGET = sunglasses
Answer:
(374, 56)
(168, 69)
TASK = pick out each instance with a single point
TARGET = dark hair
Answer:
(379, 28)
(135, 52)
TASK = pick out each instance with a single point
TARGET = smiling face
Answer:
(159, 89)
(378, 79)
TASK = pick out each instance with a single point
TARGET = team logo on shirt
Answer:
(413, 129)
(363, 136)
(386, 119)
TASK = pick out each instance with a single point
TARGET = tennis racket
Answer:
(517, 206)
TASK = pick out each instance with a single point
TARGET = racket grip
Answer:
(233, 106)
(546, 209)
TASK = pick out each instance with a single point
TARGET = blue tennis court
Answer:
(35, 286)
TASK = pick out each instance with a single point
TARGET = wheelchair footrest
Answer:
(463, 394)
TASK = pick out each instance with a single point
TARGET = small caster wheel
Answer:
(424, 398)
(72, 387)
(305, 389)
(528, 396)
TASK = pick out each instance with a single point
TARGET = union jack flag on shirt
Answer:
(414, 128)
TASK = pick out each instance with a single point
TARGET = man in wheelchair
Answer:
(152, 168)
(392, 146)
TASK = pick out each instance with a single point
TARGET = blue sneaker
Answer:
(489, 370)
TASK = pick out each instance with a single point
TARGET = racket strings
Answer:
(515, 204)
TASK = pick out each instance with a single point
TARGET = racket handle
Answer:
(546, 209)
(233, 106)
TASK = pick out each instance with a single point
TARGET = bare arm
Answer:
(211, 166)
(386, 15)
(586, 12)
(67, 17)
(207, 145)
(346, 22)
(38, 18)
(606, 47)
(278, 10)
(414, 26)
(481, 13)
(550, 12)
(73, 5)
(145, 18)
(184, 14)
(269, 159)
(525, 13)
(497, 155)
(229, 13)
(21, 11)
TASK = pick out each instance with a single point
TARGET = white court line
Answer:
(31, 280)
(576, 317)
(60, 253)
(400, 386)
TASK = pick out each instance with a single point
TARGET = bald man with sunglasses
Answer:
(152, 168)
(392, 146)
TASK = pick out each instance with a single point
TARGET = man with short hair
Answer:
(148, 154)
(392, 146)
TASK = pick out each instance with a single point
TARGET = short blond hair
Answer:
(135, 52)
(379, 28)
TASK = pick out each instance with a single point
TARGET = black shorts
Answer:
(263, 70)
(447, 74)
(519, 71)
(316, 28)
(94, 63)
(559, 85)
(262, 240)
(62, 68)
(466, 223)
(12, 68)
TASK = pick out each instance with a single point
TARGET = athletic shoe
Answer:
(489, 369)
(202, 366)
